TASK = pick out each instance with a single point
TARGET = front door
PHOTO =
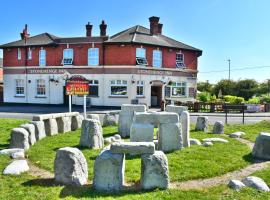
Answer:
(156, 96)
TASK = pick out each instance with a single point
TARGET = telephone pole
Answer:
(229, 61)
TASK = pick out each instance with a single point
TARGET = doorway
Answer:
(156, 96)
(66, 98)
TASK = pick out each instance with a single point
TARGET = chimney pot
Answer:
(103, 28)
(154, 25)
(25, 34)
(88, 27)
(160, 28)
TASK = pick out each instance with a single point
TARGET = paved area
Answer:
(27, 112)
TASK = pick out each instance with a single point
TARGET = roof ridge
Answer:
(134, 35)
(121, 32)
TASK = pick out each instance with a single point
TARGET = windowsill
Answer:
(140, 97)
(41, 97)
(19, 96)
(114, 96)
(92, 96)
(93, 65)
(178, 97)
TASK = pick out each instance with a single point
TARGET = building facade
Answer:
(137, 65)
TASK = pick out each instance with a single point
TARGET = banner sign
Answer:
(77, 85)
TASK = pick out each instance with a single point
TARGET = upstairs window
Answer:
(41, 87)
(179, 89)
(118, 88)
(67, 57)
(141, 56)
(42, 58)
(93, 88)
(19, 54)
(180, 60)
(19, 87)
(157, 58)
(29, 54)
(93, 56)
(140, 88)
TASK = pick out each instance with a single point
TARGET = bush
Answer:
(265, 99)
(204, 96)
(254, 100)
(233, 99)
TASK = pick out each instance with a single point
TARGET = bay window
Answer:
(118, 88)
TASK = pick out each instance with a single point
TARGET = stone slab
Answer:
(156, 118)
(19, 138)
(133, 148)
(141, 132)
(16, 167)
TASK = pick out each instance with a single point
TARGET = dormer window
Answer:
(180, 61)
(141, 56)
(67, 57)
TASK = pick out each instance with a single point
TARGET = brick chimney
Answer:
(154, 25)
(88, 29)
(103, 28)
(160, 29)
(25, 34)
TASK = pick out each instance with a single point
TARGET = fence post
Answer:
(212, 107)
(196, 106)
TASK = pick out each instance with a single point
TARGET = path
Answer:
(39, 172)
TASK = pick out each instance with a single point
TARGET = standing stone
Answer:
(39, 129)
(16, 167)
(218, 127)
(185, 122)
(109, 170)
(202, 124)
(169, 137)
(155, 171)
(19, 138)
(91, 134)
(51, 127)
(261, 147)
(70, 167)
(141, 132)
(31, 132)
(176, 109)
(110, 119)
(64, 124)
(76, 122)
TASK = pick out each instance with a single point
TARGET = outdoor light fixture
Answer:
(133, 80)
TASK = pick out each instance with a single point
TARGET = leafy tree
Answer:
(204, 87)
(226, 86)
(246, 88)
(263, 88)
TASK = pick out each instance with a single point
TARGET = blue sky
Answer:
(238, 30)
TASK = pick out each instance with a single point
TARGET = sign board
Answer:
(77, 85)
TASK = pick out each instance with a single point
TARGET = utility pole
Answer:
(229, 61)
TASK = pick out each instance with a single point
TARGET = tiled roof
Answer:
(141, 35)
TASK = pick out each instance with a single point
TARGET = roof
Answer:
(141, 35)
(45, 39)
(1, 62)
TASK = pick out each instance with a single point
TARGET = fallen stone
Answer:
(109, 169)
(194, 141)
(51, 127)
(185, 124)
(141, 132)
(91, 134)
(9, 152)
(19, 138)
(76, 122)
(70, 167)
(108, 140)
(236, 134)
(218, 127)
(261, 147)
(16, 167)
(31, 132)
(207, 144)
(236, 184)
(202, 124)
(117, 137)
(64, 124)
(176, 109)
(18, 155)
(155, 171)
(215, 140)
(39, 129)
(109, 119)
(133, 148)
(256, 183)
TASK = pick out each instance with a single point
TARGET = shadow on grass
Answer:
(40, 182)
(249, 158)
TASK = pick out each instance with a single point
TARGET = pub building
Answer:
(136, 65)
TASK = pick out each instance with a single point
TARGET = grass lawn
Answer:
(191, 163)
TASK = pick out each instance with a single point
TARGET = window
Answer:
(93, 88)
(167, 91)
(42, 58)
(93, 56)
(41, 87)
(19, 87)
(179, 89)
(180, 60)
(67, 57)
(118, 88)
(19, 54)
(29, 54)
(157, 58)
(140, 88)
(141, 56)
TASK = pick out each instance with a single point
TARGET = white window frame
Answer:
(140, 84)
(157, 58)
(93, 56)
(180, 61)
(42, 57)
(94, 83)
(119, 83)
(141, 54)
(19, 87)
(19, 54)
(29, 54)
(68, 53)
(176, 85)
(41, 85)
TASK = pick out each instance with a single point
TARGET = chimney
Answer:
(153, 25)
(88, 29)
(103, 28)
(25, 34)
(160, 29)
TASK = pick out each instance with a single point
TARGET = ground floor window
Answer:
(179, 89)
(19, 87)
(140, 88)
(93, 88)
(167, 91)
(118, 87)
(41, 87)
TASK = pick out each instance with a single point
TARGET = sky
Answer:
(238, 30)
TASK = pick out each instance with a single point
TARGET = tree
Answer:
(246, 88)
(226, 86)
(204, 87)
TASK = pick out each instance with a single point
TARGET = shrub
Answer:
(204, 96)
(233, 99)
(265, 99)
(254, 100)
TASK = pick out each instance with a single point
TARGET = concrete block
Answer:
(141, 132)
(133, 148)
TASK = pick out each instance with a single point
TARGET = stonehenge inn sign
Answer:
(77, 85)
